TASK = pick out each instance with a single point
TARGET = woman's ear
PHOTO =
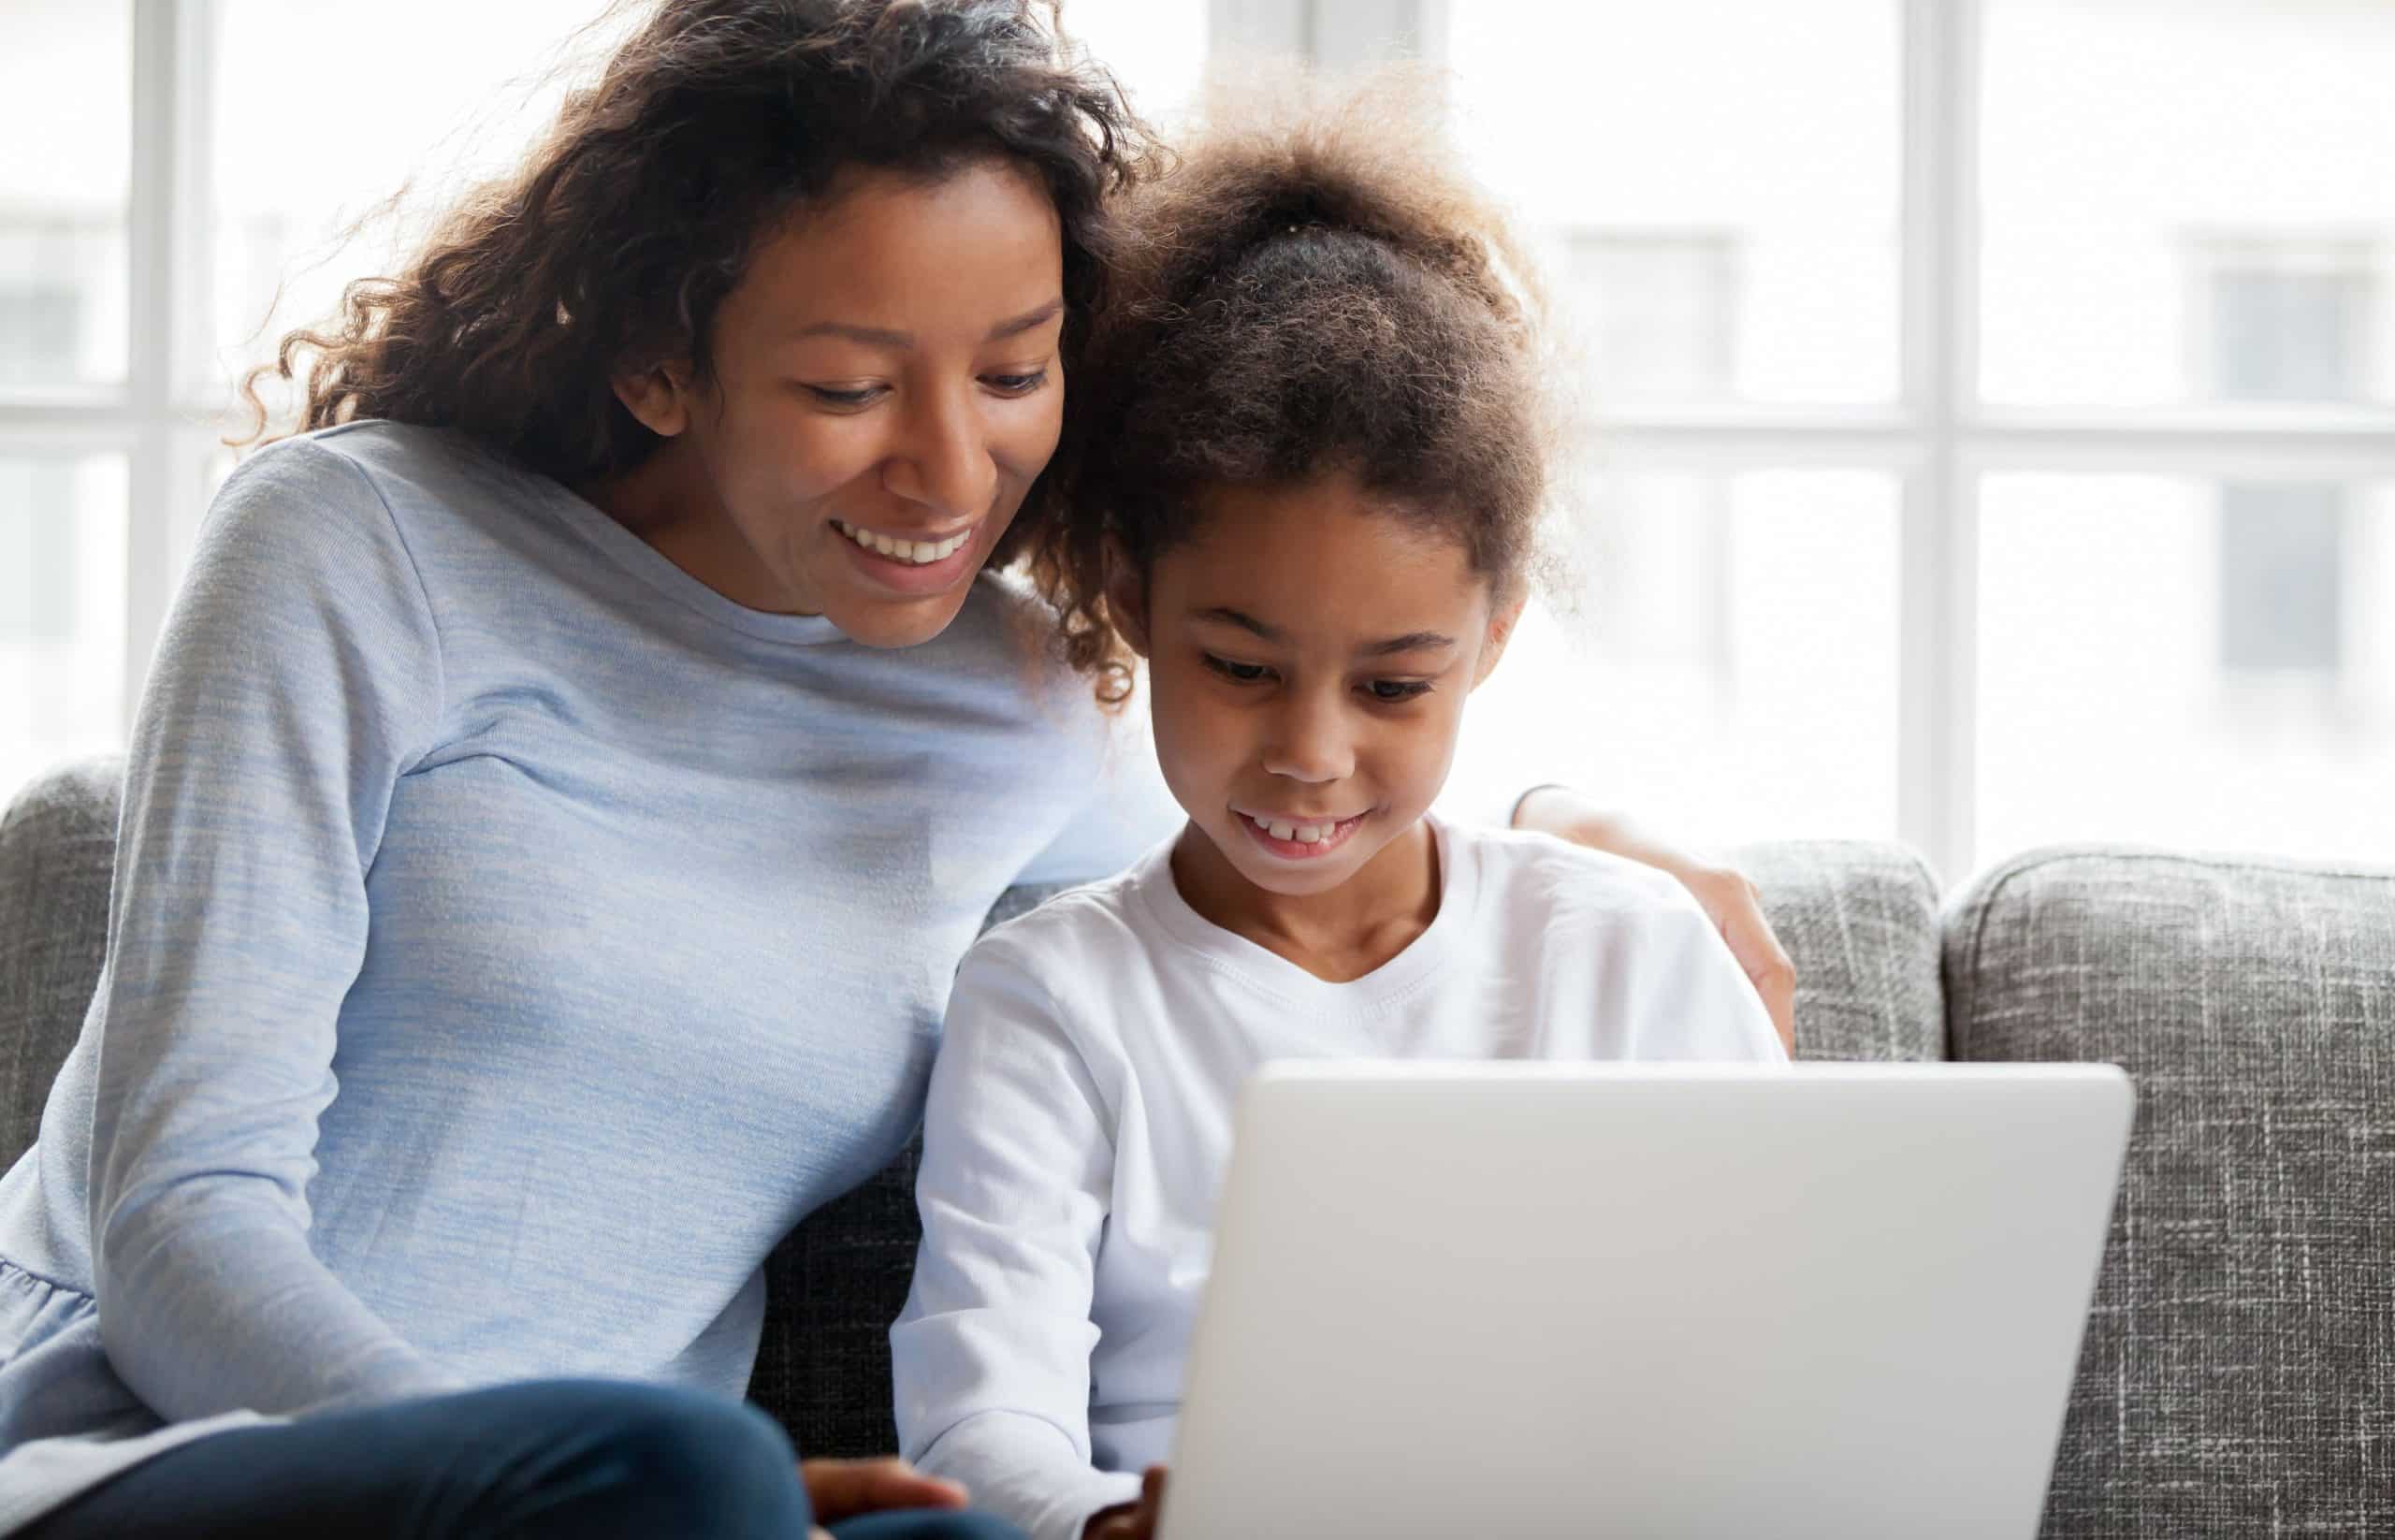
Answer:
(660, 398)
(1127, 597)
(1502, 622)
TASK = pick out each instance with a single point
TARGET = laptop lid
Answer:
(1644, 1300)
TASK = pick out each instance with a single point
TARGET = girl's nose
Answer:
(1311, 742)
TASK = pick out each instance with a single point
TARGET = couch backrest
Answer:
(2237, 1372)
(57, 847)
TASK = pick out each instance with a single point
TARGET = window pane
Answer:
(2210, 667)
(2188, 201)
(1156, 48)
(1730, 671)
(427, 113)
(1714, 184)
(61, 611)
(433, 116)
(66, 113)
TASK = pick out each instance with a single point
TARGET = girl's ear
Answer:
(1126, 598)
(660, 398)
(1502, 622)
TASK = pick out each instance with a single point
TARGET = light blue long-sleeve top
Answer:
(511, 938)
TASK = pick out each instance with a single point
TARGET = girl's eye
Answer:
(1016, 384)
(832, 395)
(1390, 691)
(1246, 673)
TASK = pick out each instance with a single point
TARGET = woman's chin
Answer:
(883, 623)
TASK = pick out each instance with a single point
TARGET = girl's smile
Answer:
(1310, 648)
(1296, 838)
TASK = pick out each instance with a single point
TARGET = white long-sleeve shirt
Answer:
(1080, 1121)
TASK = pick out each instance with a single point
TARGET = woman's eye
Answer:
(1016, 384)
(1390, 691)
(1246, 673)
(834, 396)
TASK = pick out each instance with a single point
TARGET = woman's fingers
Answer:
(1736, 906)
(840, 1489)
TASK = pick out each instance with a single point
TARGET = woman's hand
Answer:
(1727, 897)
(843, 1489)
(1130, 1520)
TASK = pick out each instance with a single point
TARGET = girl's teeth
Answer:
(1282, 831)
(1309, 833)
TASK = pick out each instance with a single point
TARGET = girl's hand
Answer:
(1130, 1520)
(843, 1489)
(1727, 897)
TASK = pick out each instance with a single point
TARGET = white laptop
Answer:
(1518, 1301)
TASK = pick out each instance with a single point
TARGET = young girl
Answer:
(1307, 486)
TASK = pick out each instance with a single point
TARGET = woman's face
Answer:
(886, 390)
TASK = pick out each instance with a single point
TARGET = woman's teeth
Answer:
(1304, 833)
(920, 552)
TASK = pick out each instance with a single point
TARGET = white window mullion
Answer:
(1937, 657)
(167, 275)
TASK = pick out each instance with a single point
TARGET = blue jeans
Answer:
(589, 1459)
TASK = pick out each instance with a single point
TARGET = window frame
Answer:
(1938, 437)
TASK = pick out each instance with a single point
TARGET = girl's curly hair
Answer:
(1315, 287)
(609, 249)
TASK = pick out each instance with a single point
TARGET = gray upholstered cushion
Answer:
(1860, 921)
(2237, 1376)
(57, 844)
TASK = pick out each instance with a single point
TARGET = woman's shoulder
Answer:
(384, 473)
(407, 465)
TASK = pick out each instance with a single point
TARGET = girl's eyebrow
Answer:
(1413, 641)
(883, 337)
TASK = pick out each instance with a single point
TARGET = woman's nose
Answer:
(944, 461)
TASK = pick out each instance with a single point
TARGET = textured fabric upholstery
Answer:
(2238, 1373)
(57, 845)
(1860, 921)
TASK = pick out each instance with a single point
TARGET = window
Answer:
(1996, 431)
(2287, 322)
(2289, 332)
(1662, 312)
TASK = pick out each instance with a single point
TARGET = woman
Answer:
(567, 780)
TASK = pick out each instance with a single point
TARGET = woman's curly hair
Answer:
(1316, 287)
(610, 247)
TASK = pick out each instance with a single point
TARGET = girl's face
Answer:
(1309, 655)
(886, 390)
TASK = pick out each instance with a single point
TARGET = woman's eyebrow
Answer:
(884, 337)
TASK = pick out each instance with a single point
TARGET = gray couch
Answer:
(2239, 1370)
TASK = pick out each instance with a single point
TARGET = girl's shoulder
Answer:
(1075, 931)
(1525, 872)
